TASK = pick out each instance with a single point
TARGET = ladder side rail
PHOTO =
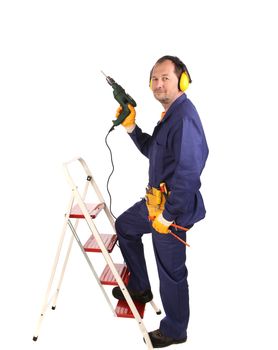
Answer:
(84, 165)
(107, 211)
(54, 302)
(97, 190)
(85, 191)
(53, 270)
(113, 269)
(93, 183)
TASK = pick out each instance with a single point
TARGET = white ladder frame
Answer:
(79, 199)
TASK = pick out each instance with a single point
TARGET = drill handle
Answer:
(125, 112)
(123, 99)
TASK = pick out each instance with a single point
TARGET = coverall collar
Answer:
(173, 106)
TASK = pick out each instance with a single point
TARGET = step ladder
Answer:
(113, 273)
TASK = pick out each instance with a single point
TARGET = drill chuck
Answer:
(109, 80)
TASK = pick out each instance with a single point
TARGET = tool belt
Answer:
(156, 199)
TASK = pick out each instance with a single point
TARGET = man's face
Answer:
(165, 83)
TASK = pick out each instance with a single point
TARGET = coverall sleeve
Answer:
(188, 147)
(142, 140)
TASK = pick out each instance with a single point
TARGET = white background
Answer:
(55, 105)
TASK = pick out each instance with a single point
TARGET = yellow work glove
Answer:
(161, 225)
(129, 122)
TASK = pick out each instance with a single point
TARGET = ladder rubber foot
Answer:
(158, 312)
(53, 307)
(35, 338)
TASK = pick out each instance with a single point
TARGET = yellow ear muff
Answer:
(151, 84)
(184, 82)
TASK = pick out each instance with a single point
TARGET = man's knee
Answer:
(124, 225)
(119, 225)
(133, 222)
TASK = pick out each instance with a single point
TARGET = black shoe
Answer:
(161, 341)
(143, 297)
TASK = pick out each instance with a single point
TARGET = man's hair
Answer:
(179, 65)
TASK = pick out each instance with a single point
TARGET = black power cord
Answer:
(112, 163)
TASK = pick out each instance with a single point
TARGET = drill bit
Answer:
(109, 80)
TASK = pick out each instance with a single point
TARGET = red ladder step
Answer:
(92, 208)
(108, 240)
(108, 278)
(123, 310)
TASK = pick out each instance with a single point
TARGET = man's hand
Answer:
(129, 122)
(161, 225)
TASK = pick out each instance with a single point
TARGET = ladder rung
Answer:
(123, 310)
(92, 208)
(108, 278)
(108, 240)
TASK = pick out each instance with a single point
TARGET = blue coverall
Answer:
(177, 152)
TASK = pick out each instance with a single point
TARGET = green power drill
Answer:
(122, 97)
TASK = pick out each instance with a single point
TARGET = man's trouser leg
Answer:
(130, 226)
(170, 258)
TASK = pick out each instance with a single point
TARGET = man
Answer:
(177, 152)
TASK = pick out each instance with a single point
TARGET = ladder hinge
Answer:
(89, 178)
